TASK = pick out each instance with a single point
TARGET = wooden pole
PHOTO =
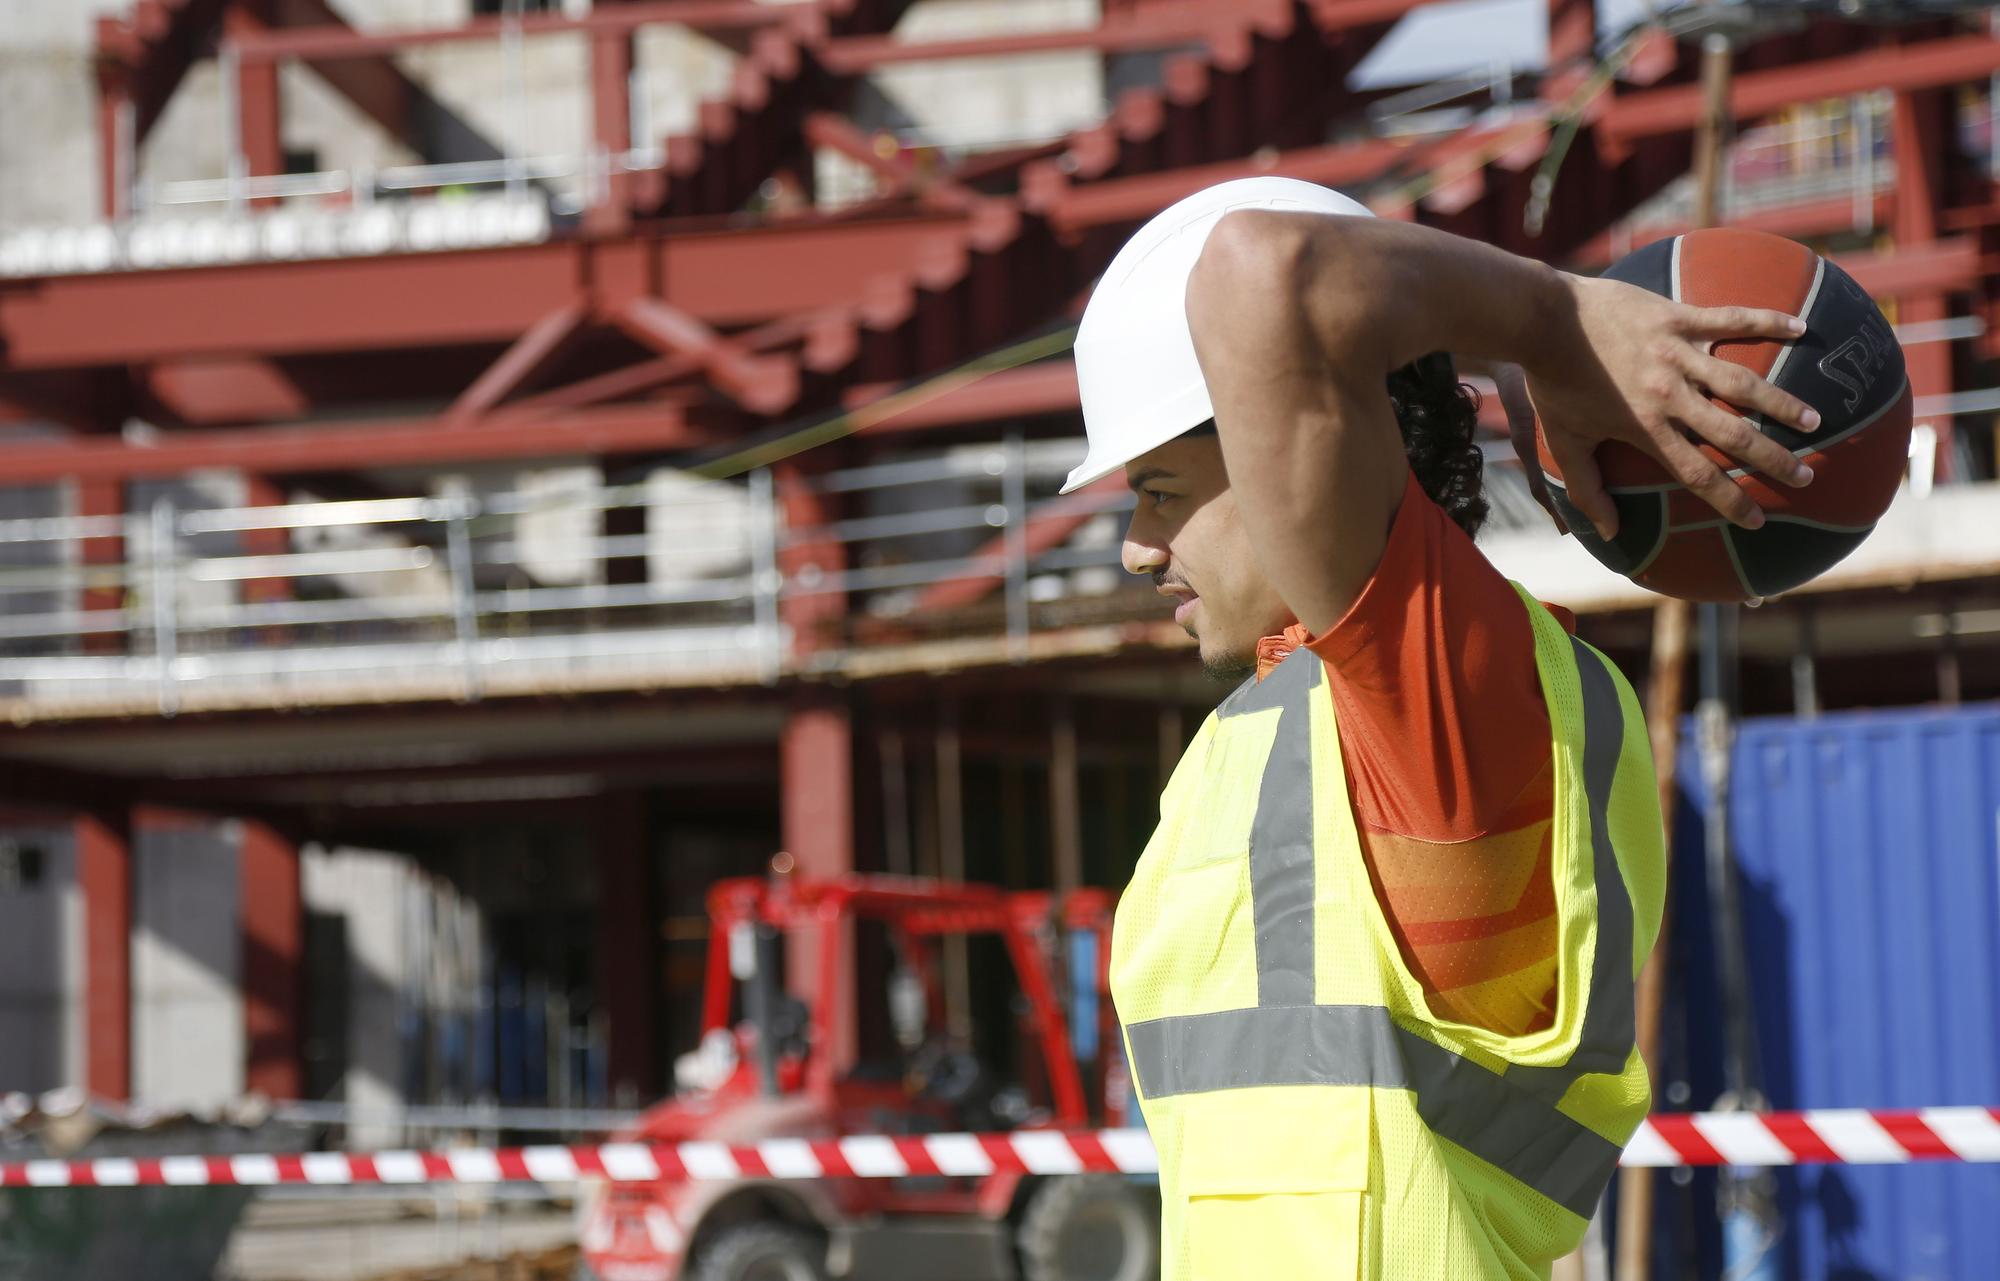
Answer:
(1664, 697)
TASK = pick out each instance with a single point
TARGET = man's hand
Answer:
(1626, 364)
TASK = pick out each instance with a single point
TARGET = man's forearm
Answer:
(1377, 294)
(1297, 319)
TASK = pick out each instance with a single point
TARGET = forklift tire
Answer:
(1091, 1227)
(762, 1252)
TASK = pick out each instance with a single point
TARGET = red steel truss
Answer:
(672, 320)
(690, 310)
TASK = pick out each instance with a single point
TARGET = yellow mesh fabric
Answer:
(1185, 944)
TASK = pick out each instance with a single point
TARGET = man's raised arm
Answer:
(1297, 319)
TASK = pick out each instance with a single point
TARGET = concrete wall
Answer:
(959, 101)
(369, 888)
(48, 112)
(187, 941)
(41, 963)
(187, 1019)
(535, 105)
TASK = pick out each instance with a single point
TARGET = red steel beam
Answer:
(1111, 201)
(723, 278)
(1341, 15)
(157, 45)
(387, 94)
(837, 133)
(703, 15)
(210, 392)
(1943, 266)
(762, 384)
(1830, 216)
(533, 352)
(1931, 64)
(296, 448)
(1155, 27)
(1046, 388)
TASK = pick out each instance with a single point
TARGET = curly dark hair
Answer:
(1438, 415)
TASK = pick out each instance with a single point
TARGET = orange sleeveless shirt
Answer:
(1449, 767)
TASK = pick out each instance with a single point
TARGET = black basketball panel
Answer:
(1786, 554)
(1650, 268)
(1848, 364)
(1642, 520)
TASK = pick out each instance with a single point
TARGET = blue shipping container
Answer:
(1867, 846)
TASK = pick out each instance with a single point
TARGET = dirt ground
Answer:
(539, 1265)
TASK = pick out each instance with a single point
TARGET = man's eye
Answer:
(1156, 496)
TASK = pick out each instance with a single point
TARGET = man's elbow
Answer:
(1254, 251)
(1298, 265)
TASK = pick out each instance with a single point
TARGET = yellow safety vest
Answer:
(1313, 1119)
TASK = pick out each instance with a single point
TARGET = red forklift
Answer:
(767, 1068)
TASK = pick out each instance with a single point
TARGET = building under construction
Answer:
(476, 474)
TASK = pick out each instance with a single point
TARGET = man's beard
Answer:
(1230, 669)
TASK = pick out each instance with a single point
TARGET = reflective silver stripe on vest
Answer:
(1508, 1120)
(1281, 833)
(1609, 1027)
(1481, 1111)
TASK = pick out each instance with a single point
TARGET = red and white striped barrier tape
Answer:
(1850, 1136)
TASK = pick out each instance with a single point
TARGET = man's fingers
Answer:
(1736, 437)
(1740, 387)
(1585, 486)
(1693, 469)
(1716, 323)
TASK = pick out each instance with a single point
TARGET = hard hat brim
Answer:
(1179, 414)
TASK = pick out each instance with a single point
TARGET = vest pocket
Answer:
(1275, 1235)
(1274, 1180)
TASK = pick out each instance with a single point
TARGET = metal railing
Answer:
(569, 582)
(565, 583)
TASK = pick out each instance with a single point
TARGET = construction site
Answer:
(530, 533)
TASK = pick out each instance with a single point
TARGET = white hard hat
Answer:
(1135, 365)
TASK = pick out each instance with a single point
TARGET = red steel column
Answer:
(807, 559)
(104, 879)
(1922, 132)
(1572, 45)
(627, 960)
(611, 119)
(816, 766)
(262, 491)
(273, 965)
(101, 498)
(258, 118)
(816, 753)
(114, 101)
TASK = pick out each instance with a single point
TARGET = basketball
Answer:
(1847, 365)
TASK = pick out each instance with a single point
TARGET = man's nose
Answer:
(1141, 555)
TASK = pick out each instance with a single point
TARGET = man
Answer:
(1375, 967)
